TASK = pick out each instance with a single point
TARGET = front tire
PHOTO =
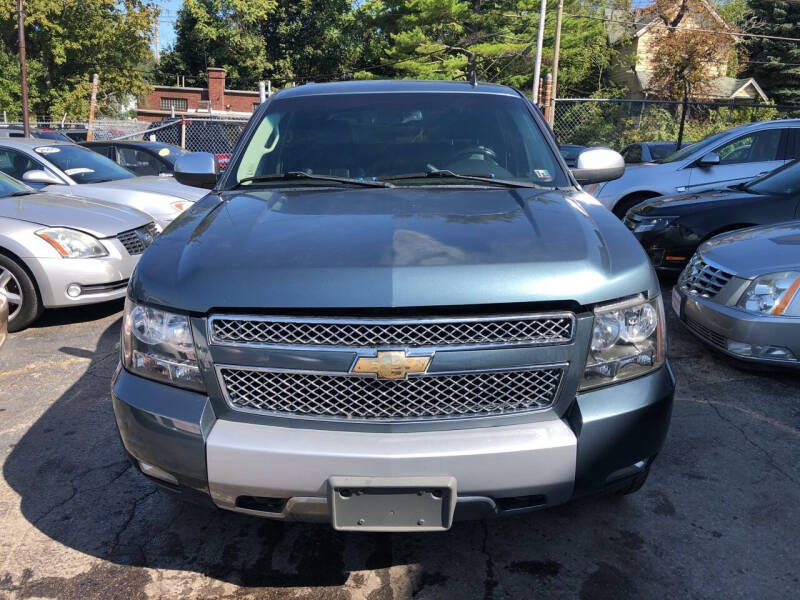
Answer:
(23, 299)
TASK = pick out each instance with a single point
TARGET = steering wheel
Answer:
(465, 153)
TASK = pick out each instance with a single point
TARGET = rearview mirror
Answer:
(709, 160)
(595, 165)
(40, 176)
(198, 169)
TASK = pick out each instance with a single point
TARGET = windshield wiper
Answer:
(445, 173)
(292, 175)
(21, 193)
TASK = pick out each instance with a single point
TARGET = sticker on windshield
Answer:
(163, 152)
(78, 171)
(542, 174)
(47, 149)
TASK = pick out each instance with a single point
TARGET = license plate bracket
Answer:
(392, 503)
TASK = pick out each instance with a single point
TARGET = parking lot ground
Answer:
(718, 518)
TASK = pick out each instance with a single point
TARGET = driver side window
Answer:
(15, 163)
(759, 146)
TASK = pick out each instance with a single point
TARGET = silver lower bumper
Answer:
(254, 460)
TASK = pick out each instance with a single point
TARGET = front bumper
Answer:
(606, 437)
(669, 249)
(717, 324)
(100, 279)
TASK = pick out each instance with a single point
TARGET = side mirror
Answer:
(709, 160)
(197, 169)
(595, 165)
(41, 176)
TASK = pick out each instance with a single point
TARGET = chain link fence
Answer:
(618, 122)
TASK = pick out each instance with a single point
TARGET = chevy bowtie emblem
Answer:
(392, 364)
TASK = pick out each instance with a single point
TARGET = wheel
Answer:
(624, 205)
(24, 305)
(635, 484)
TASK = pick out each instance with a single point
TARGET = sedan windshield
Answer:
(82, 164)
(696, 147)
(782, 181)
(11, 187)
(400, 138)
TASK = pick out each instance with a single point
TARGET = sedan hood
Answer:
(757, 250)
(689, 203)
(432, 246)
(98, 218)
(153, 184)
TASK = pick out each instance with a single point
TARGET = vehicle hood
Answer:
(149, 184)
(756, 250)
(100, 219)
(691, 203)
(432, 246)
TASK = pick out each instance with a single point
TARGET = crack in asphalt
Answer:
(118, 534)
(490, 581)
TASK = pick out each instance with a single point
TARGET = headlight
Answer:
(628, 340)
(775, 294)
(651, 223)
(158, 345)
(70, 243)
(181, 205)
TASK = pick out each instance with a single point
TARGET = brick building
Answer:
(193, 102)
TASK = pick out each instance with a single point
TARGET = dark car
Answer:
(570, 153)
(41, 133)
(395, 308)
(199, 135)
(642, 152)
(672, 228)
(142, 158)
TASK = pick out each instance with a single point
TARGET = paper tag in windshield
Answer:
(78, 171)
(543, 174)
(47, 150)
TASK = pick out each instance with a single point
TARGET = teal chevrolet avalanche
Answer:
(395, 308)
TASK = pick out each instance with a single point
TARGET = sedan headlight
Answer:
(651, 223)
(628, 340)
(70, 243)
(775, 294)
(159, 345)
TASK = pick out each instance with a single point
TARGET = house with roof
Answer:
(633, 33)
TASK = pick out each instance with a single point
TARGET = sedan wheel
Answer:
(24, 305)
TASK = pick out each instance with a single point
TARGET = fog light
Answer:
(74, 290)
(760, 351)
(154, 471)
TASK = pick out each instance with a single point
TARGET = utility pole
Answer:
(92, 107)
(556, 52)
(537, 65)
(155, 39)
(23, 68)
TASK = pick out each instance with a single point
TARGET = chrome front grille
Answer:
(325, 396)
(701, 279)
(370, 333)
(136, 241)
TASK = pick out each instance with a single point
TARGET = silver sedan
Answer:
(740, 294)
(60, 251)
(73, 170)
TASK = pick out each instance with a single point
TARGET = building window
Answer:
(176, 103)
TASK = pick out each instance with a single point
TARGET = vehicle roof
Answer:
(395, 86)
(28, 143)
(141, 143)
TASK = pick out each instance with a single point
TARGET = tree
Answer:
(775, 63)
(69, 40)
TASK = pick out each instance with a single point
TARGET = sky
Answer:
(166, 29)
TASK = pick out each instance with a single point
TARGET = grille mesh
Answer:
(701, 279)
(707, 334)
(296, 332)
(432, 396)
(137, 241)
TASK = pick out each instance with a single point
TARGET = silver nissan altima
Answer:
(60, 251)
(72, 170)
(740, 293)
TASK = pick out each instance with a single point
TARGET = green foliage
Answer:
(69, 40)
(774, 63)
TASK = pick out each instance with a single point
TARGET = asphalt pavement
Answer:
(718, 517)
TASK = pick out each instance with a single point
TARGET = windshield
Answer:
(170, 153)
(781, 181)
(696, 147)
(378, 136)
(81, 164)
(9, 186)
